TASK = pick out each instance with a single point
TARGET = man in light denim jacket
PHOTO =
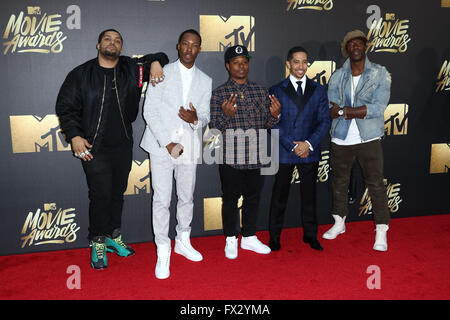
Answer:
(359, 93)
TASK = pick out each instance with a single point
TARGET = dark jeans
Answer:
(280, 194)
(107, 178)
(370, 158)
(236, 182)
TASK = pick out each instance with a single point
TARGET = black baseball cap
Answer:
(236, 51)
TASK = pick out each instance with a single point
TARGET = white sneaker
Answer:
(337, 229)
(162, 269)
(183, 246)
(252, 243)
(231, 247)
(381, 237)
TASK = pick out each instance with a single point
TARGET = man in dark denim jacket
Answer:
(359, 93)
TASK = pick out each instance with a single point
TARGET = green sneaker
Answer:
(98, 253)
(115, 244)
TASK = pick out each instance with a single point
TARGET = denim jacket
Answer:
(373, 90)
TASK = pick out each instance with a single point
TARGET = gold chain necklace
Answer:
(241, 93)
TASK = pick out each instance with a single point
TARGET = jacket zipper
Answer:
(101, 110)
(118, 103)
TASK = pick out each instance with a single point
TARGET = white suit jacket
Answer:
(161, 107)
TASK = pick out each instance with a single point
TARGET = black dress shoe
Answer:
(314, 243)
(274, 244)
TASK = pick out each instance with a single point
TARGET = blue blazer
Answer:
(301, 119)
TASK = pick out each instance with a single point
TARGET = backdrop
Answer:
(44, 204)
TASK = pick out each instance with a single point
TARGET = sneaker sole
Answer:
(101, 268)
(162, 277)
(176, 250)
(328, 238)
(253, 250)
(231, 257)
(112, 249)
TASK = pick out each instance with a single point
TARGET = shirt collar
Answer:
(183, 69)
(231, 82)
(294, 81)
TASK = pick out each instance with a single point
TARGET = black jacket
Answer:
(79, 105)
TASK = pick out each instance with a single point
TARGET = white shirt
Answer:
(295, 84)
(186, 79)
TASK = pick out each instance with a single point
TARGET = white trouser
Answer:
(162, 172)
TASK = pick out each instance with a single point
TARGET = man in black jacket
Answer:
(96, 105)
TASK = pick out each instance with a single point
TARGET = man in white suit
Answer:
(175, 112)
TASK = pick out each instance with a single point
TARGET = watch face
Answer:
(341, 112)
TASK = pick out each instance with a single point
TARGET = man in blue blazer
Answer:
(303, 123)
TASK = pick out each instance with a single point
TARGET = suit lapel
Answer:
(176, 86)
(309, 91)
(289, 90)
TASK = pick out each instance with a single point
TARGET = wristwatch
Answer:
(341, 112)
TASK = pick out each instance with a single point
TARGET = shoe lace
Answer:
(99, 249)
(119, 241)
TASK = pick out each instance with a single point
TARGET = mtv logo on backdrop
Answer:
(35, 134)
(396, 119)
(34, 10)
(440, 158)
(319, 71)
(139, 178)
(219, 32)
(212, 213)
(38, 31)
(50, 206)
(53, 225)
(390, 16)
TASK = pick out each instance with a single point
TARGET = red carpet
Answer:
(416, 266)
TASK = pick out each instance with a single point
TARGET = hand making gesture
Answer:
(229, 106)
(275, 106)
(190, 116)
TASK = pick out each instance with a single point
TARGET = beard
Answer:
(113, 54)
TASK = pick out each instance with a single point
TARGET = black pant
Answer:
(280, 194)
(237, 182)
(107, 178)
